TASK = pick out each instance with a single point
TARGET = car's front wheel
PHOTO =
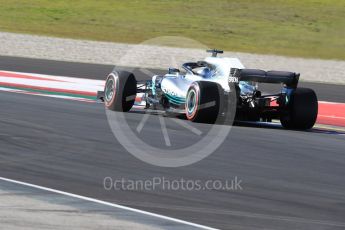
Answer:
(120, 91)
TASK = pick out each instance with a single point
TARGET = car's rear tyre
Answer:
(120, 91)
(203, 102)
(301, 111)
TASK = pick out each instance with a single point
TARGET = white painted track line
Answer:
(107, 203)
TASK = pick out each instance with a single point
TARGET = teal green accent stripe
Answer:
(175, 100)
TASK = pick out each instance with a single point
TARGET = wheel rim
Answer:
(109, 89)
(191, 102)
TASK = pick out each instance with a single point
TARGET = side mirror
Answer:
(214, 52)
(173, 71)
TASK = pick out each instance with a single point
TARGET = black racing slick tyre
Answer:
(301, 111)
(120, 91)
(203, 102)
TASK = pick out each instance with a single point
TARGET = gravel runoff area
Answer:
(28, 208)
(148, 56)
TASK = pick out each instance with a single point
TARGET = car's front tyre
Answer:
(120, 91)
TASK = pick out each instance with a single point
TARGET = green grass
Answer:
(306, 28)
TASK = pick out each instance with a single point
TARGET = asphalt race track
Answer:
(290, 179)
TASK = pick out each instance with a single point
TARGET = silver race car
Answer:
(213, 90)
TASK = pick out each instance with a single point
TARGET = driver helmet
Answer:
(205, 72)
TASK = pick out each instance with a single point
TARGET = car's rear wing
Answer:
(290, 79)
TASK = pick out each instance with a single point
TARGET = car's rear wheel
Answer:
(301, 111)
(120, 91)
(203, 102)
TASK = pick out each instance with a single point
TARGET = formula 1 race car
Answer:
(206, 90)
